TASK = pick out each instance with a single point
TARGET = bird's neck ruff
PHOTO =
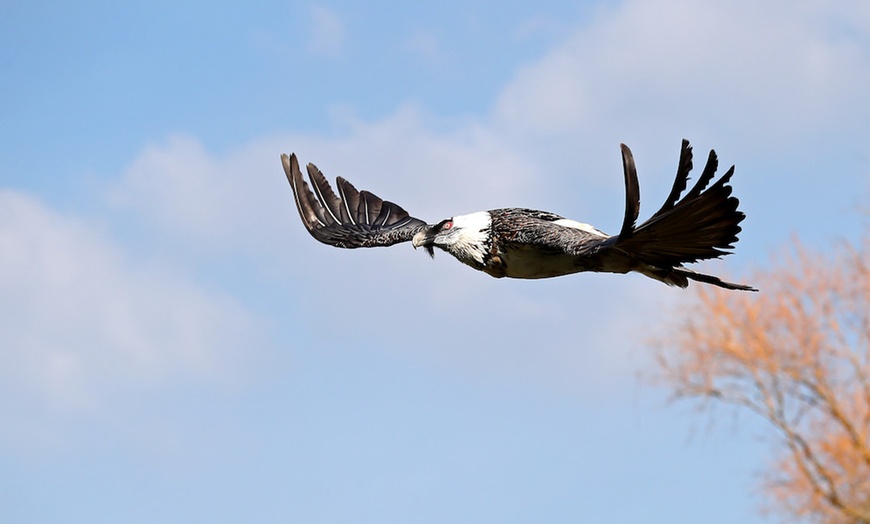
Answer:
(471, 238)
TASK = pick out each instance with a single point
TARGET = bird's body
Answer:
(521, 243)
(531, 244)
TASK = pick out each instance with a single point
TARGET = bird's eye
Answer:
(447, 225)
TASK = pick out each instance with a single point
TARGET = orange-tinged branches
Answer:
(798, 355)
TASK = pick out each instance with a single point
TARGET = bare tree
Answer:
(796, 354)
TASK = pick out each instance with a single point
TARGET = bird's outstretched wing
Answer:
(350, 219)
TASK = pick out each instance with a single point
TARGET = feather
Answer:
(632, 193)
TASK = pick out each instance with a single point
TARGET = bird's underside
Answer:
(526, 243)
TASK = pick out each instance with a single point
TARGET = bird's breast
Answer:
(526, 261)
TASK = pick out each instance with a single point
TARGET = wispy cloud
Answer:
(82, 322)
(772, 63)
(241, 195)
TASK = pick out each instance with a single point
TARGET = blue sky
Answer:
(176, 348)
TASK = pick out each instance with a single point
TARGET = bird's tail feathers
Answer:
(680, 276)
(702, 225)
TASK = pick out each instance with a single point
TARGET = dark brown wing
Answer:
(350, 219)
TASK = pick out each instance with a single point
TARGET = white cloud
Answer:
(193, 194)
(764, 68)
(457, 167)
(81, 322)
(242, 197)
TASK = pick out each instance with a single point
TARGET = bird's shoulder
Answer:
(512, 227)
(518, 216)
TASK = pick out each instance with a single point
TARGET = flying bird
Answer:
(526, 243)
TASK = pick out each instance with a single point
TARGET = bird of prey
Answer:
(525, 243)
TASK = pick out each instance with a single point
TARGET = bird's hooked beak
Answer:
(424, 239)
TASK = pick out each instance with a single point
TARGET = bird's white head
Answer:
(466, 237)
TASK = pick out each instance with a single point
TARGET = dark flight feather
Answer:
(632, 193)
(682, 178)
